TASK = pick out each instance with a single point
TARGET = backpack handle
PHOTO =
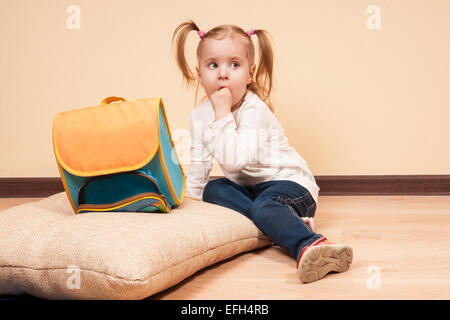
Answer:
(112, 99)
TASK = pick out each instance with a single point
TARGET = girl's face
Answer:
(224, 63)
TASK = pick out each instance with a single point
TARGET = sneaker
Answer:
(322, 257)
(310, 223)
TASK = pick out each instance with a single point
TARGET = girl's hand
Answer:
(221, 102)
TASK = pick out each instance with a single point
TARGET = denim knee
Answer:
(212, 189)
(260, 213)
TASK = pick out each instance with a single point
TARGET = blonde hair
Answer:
(262, 85)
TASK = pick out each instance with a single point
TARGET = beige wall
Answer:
(352, 100)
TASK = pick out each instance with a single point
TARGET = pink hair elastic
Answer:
(250, 32)
(201, 33)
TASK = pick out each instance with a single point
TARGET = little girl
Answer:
(265, 179)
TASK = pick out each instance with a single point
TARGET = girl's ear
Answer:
(252, 72)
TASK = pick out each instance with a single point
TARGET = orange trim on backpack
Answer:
(164, 166)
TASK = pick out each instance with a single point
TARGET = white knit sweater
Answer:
(250, 146)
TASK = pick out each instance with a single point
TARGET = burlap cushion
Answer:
(48, 251)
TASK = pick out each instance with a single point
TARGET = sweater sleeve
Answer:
(234, 146)
(200, 164)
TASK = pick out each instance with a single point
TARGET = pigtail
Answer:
(262, 85)
(179, 40)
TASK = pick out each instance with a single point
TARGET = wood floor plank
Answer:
(11, 202)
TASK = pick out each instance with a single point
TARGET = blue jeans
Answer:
(275, 207)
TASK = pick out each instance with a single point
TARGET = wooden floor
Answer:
(401, 251)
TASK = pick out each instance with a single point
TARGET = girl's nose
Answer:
(223, 72)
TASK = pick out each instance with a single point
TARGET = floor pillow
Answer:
(49, 252)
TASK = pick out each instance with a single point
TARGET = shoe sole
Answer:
(318, 261)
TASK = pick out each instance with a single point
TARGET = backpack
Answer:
(118, 157)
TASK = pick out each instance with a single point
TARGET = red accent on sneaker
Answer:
(322, 240)
(308, 223)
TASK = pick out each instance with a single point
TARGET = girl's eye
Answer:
(214, 65)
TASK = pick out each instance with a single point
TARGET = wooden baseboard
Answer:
(385, 185)
(29, 187)
(329, 185)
